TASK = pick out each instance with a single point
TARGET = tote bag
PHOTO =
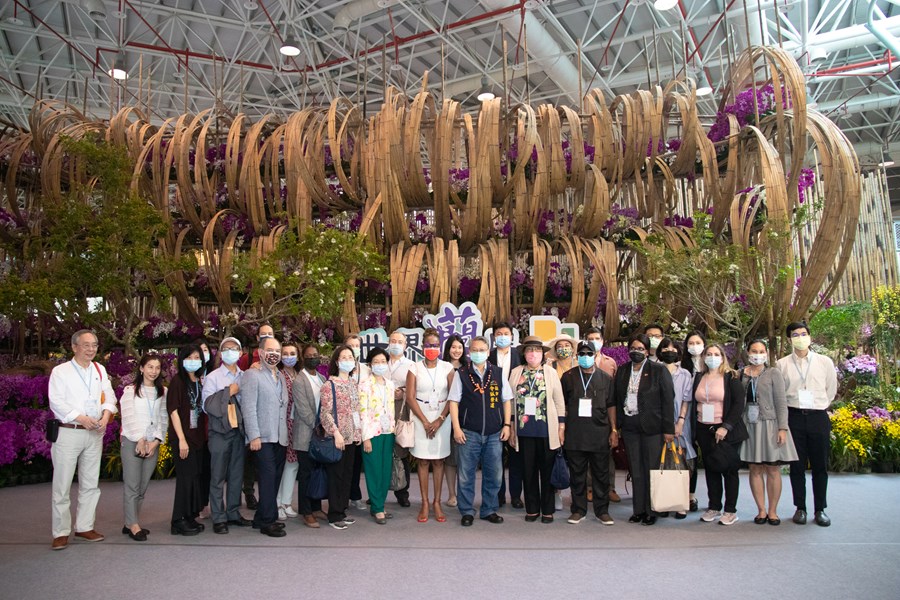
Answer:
(321, 446)
(670, 483)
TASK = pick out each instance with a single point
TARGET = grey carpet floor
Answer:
(857, 557)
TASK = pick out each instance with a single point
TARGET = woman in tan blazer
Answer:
(539, 426)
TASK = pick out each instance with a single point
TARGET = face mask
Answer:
(264, 336)
(345, 366)
(355, 353)
(432, 353)
(192, 365)
(801, 343)
(597, 344)
(564, 352)
(479, 358)
(637, 356)
(759, 359)
(289, 361)
(395, 349)
(668, 357)
(695, 349)
(206, 357)
(311, 363)
(503, 341)
(380, 369)
(273, 358)
(229, 357)
(654, 342)
(534, 357)
(713, 362)
(585, 362)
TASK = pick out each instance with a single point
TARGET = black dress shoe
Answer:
(648, 520)
(199, 526)
(140, 536)
(467, 520)
(760, 520)
(242, 522)
(184, 527)
(272, 531)
(126, 530)
(493, 518)
(547, 519)
(220, 528)
(663, 515)
(695, 506)
(531, 518)
(251, 502)
(516, 503)
(822, 519)
(799, 517)
(636, 518)
(404, 502)
(680, 515)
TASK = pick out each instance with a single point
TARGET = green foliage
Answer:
(309, 275)
(839, 326)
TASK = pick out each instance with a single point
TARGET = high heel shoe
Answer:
(438, 515)
(424, 510)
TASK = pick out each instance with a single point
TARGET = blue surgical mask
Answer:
(597, 344)
(479, 358)
(585, 362)
(395, 349)
(713, 362)
(355, 353)
(380, 369)
(192, 365)
(503, 341)
(206, 356)
(230, 356)
(289, 361)
(345, 366)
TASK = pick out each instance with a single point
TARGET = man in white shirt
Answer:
(811, 383)
(398, 368)
(83, 400)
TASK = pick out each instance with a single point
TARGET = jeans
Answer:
(515, 467)
(488, 450)
(269, 467)
(811, 430)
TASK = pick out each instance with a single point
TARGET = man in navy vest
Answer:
(480, 411)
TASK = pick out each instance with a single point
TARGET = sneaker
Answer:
(559, 503)
(605, 519)
(359, 504)
(339, 525)
(282, 516)
(349, 520)
(728, 519)
(575, 518)
(710, 515)
(290, 512)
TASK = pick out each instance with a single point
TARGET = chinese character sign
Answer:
(378, 338)
(464, 321)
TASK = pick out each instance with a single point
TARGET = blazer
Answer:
(515, 358)
(732, 410)
(264, 404)
(556, 405)
(305, 412)
(770, 396)
(656, 398)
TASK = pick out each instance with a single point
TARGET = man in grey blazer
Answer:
(264, 399)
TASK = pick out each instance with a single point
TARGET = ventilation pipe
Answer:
(356, 10)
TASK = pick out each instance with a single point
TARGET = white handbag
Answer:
(670, 488)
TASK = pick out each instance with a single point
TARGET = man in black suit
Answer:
(508, 358)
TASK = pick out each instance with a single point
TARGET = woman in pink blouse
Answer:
(340, 389)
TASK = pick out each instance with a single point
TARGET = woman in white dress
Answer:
(427, 387)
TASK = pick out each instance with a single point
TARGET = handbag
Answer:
(52, 430)
(559, 477)
(398, 475)
(321, 446)
(317, 488)
(724, 457)
(670, 483)
(404, 430)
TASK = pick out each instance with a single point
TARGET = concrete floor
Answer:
(857, 557)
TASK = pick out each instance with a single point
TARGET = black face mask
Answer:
(312, 363)
(637, 357)
(668, 357)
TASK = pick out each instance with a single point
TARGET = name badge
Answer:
(805, 398)
(752, 413)
(707, 413)
(530, 406)
(385, 424)
(584, 407)
(195, 418)
(631, 403)
(356, 421)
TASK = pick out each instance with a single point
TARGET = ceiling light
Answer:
(665, 4)
(290, 47)
(251, 4)
(486, 93)
(704, 91)
(15, 21)
(120, 15)
(118, 69)
(886, 164)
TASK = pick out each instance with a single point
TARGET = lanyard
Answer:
(634, 383)
(532, 383)
(433, 379)
(149, 404)
(583, 384)
(384, 395)
(87, 383)
(799, 372)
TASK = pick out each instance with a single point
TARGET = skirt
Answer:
(762, 446)
(434, 448)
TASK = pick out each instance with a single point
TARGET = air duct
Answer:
(357, 10)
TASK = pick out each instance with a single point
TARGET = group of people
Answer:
(468, 406)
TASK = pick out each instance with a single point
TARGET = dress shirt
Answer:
(503, 359)
(455, 394)
(315, 381)
(140, 412)
(219, 379)
(819, 374)
(74, 391)
(398, 369)
(605, 364)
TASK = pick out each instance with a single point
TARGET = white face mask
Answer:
(801, 342)
(759, 359)
(695, 349)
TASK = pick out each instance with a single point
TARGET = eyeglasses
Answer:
(585, 354)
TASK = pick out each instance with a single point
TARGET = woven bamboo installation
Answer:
(519, 162)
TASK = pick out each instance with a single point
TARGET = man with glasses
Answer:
(655, 333)
(83, 400)
(811, 383)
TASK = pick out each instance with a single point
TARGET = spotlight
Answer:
(665, 4)
(118, 69)
(704, 91)
(486, 93)
(290, 47)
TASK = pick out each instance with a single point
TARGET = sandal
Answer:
(438, 513)
(420, 518)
